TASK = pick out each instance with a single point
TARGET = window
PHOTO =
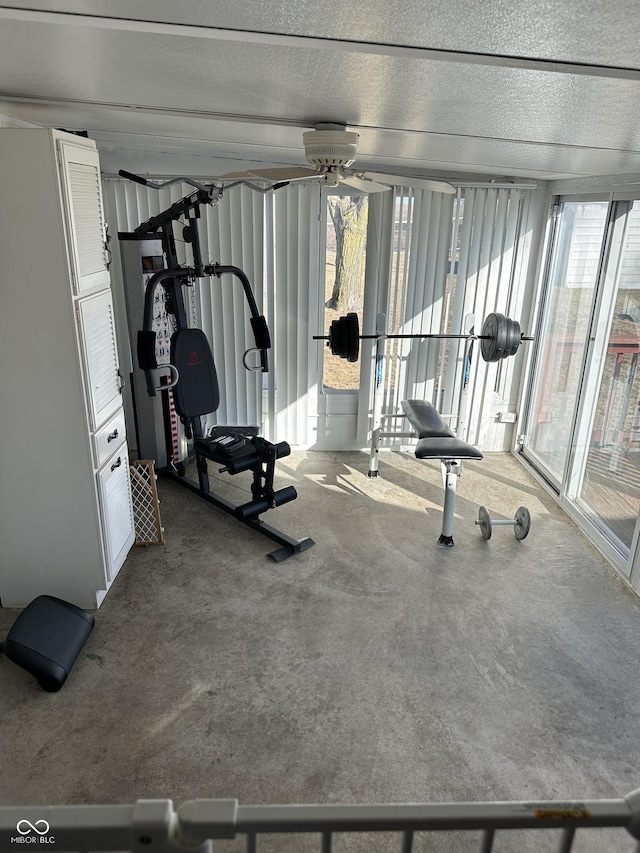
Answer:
(346, 247)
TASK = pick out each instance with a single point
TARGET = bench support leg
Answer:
(450, 473)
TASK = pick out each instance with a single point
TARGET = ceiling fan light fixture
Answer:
(330, 147)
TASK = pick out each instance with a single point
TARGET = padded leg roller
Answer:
(46, 639)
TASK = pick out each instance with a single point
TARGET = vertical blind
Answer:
(423, 299)
(407, 244)
(486, 282)
(451, 257)
(293, 405)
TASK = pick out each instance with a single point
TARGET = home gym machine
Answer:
(191, 389)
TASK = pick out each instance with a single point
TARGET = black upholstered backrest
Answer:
(197, 391)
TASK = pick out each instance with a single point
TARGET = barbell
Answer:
(500, 337)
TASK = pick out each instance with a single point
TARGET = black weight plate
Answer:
(487, 342)
(352, 336)
(494, 337)
(501, 335)
(514, 338)
(487, 331)
(333, 336)
(341, 342)
(344, 337)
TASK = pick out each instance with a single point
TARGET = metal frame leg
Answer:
(451, 470)
(378, 394)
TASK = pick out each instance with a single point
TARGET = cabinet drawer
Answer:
(108, 438)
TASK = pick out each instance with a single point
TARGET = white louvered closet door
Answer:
(81, 169)
(98, 340)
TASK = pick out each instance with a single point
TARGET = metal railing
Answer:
(155, 826)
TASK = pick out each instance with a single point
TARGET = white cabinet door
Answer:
(98, 343)
(118, 526)
(87, 229)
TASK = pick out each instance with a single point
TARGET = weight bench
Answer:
(437, 441)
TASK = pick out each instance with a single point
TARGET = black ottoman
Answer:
(46, 639)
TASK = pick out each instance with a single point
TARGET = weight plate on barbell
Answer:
(494, 337)
(335, 335)
(501, 337)
(353, 337)
(344, 337)
(514, 338)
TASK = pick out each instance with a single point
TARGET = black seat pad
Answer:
(197, 391)
(211, 449)
(443, 447)
(437, 441)
(46, 639)
(425, 419)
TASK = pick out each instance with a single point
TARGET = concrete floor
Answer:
(373, 667)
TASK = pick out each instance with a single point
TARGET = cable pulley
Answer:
(500, 337)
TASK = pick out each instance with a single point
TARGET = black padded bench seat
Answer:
(225, 444)
(437, 441)
(46, 639)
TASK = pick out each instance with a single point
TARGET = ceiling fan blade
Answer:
(288, 173)
(420, 183)
(365, 185)
(234, 176)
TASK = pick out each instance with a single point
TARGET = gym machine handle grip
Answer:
(263, 343)
(133, 177)
(263, 364)
(152, 388)
(175, 377)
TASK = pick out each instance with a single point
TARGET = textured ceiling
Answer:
(537, 90)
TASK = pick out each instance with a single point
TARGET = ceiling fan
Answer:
(331, 149)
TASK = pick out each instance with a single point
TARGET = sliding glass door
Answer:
(606, 482)
(578, 239)
(583, 422)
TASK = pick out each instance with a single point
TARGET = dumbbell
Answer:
(521, 522)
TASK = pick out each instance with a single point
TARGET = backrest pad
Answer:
(197, 391)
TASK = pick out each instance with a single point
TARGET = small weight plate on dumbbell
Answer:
(522, 522)
(484, 522)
